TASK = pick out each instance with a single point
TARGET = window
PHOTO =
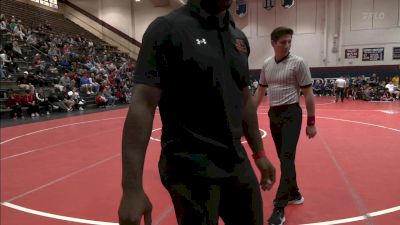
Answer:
(49, 3)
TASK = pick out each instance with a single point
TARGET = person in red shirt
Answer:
(29, 100)
(101, 101)
(14, 103)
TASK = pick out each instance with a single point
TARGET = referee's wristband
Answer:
(310, 120)
(260, 154)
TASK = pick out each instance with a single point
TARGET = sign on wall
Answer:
(373, 54)
(241, 7)
(396, 52)
(351, 53)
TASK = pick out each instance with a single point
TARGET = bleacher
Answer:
(33, 16)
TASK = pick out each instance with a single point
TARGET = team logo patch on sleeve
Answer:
(241, 46)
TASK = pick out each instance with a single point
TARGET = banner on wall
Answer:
(351, 53)
(396, 52)
(268, 4)
(241, 8)
(373, 54)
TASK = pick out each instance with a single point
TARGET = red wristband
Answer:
(310, 120)
(260, 154)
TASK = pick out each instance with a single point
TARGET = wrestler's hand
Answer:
(133, 206)
(267, 173)
(311, 131)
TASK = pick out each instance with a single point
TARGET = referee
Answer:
(285, 75)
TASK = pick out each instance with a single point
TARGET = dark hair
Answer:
(279, 32)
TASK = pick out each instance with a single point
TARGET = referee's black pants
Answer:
(340, 92)
(285, 125)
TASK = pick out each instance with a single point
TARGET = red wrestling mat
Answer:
(68, 171)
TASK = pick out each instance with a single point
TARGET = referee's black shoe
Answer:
(299, 199)
(277, 217)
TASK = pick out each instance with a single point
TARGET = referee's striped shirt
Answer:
(285, 79)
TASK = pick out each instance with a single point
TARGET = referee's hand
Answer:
(311, 131)
(267, 173)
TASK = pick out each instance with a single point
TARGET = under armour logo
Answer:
(201, 41)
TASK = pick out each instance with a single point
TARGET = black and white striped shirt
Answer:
(284, 79)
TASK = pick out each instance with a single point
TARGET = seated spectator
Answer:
(368, 93)
(75, 80)
(79, 102)
(17, 50)
(85, 84)
(56, 100)
(42, 100)
(32, 40)
(24, 82)
(396, 81)
(328, 88)
(38, 64)
(6, 63)
(67, 99)
(18, 30)
(317, 87)
(3, 22)
(101, 101)
(391, 89)
(54, 51)
(387, 96)
(120, 95)
(109, 96)
(65, 81)
(373, 80)
(14, 103)
(29, 100)
(65, 63)
(95, 85)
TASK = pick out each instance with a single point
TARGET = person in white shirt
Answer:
(340, 85)
(391, 89)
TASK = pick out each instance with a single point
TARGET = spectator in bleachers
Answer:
(396, 81)
(65, 81)
(13, 23)
(328, 88)
(373, 80)
(29, 100)
(107, 92)
(54, 51)
(14, 103)
(85, 84)
(17, 50)
(3, 62)
(368, 93)
(93, 83)
(38, 64)
(42, 101)
(387, 96)
(56, 100)
(65, 63)
(6, 63)
(79, 102)
(25, 83)
(120, 95)
(32, 40)
(19, 30)
(67, 99)
(3, 22)
(317, 87)
(101, 101)
(392, 89)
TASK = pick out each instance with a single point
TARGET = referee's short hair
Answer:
(279, 32)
